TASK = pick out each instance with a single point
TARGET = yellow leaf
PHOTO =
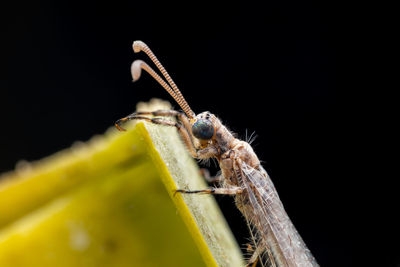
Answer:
(110, 202)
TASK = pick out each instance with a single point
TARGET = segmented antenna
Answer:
(136, 70)
(174, 91)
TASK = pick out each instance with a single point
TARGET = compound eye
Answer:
(203, 129)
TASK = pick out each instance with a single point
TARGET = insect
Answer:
(276, 241)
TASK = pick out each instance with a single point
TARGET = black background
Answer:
(271, 69)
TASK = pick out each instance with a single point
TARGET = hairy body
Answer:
(275, 239)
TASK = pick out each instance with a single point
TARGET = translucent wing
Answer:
(270, 218)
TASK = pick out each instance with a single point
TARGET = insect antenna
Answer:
(174, 91)
(136, 70)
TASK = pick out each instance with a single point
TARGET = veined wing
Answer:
(272, 221)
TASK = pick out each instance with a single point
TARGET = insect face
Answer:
(203, 129)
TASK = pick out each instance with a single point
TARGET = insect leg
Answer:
(252, 263)
(164, 113)
(183, 132)
(139, 115)
(214, 191)
(183, 125)
(152, 120)
(257, 256)
(209, 178)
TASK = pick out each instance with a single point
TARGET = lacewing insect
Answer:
(275, 239)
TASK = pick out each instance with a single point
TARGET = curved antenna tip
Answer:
(138, 65)
(138, 46)
(136, 69)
